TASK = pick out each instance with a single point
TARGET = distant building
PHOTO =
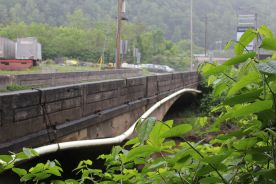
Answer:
(201, 58)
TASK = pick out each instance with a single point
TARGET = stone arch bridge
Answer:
(83, 111)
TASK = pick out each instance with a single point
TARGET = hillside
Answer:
(171, 16)
(159, 28)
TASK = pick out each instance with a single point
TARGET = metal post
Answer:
(191, 3)
(118, 35)
(206, 31)
(256, 27)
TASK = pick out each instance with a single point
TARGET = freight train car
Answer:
(23, 54)
(7, 48)
(28, 48)
(15, 64)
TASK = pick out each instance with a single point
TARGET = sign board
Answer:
(138, 58)
(124, 46)
(240, 32)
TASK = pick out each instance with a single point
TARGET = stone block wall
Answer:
(36, 117)
(57, 79)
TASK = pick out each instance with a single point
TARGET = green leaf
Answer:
(215, 159)
(240, 58)
(71, 181)
(245, 144)
(252, 77)
(21, 156)
(19, 172)
(6, 158)
(27, 177)
(219, 89)
(209, 69)
(53, 171)
(267, 173)
(38, 168)
(155, 136)
(244, 110)
(181, 156)
(210, 180)
(42, 176)
(245, 39)
(88, 162)
(266, 117)
(27, 152)
(211, 79)
(260, 157)
(204, 170)
(243, 98)
(157, 164)
(184, 159)
(132, 142)
(30, 152)
(269, 44)
(57, 163)
(224, 137)
(265, 31)
(80, 166)
(273, 86)
(177, 131)
(253, 108)
(228, 45)
(267, 68)
(115, 152)
(141, 151)
(144, 129)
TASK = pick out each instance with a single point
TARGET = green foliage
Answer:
(144, 128)
(246, 39)
(240, 59)
(269, 44)
(76, 40)
(87, 174)
(211, 69)
(8, 161)
(267, 68)
(16, 87)
(265, 31)
(78, 19)
(249, 102)
(174, 24)
(244, 81)
(245, 153)
(40, 172)
(177, 131)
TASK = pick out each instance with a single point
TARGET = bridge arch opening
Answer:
(185, 106)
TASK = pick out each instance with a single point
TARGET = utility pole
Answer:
(118, 34)
(191, 3)
(257, 40)
(206, 32)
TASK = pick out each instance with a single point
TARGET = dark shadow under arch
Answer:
(187, 102)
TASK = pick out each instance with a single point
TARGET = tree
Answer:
(78, 19)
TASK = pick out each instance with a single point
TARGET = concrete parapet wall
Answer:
(36, 117)
(57, 79)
